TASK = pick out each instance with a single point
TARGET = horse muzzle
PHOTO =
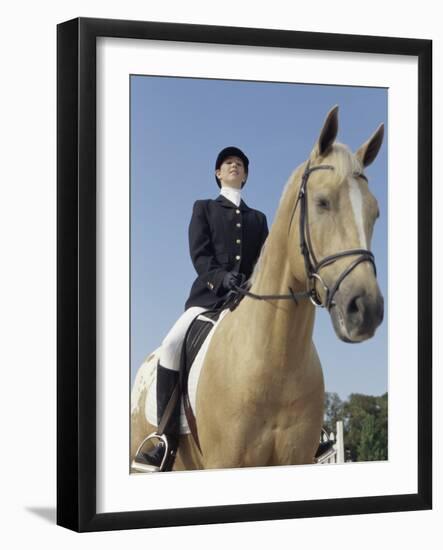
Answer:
(356, 315)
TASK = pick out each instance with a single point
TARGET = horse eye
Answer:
(323, 203)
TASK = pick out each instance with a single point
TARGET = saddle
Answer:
(195, 336)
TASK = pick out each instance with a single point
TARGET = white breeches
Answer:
(172, 344)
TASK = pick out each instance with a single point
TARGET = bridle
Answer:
(312, 265)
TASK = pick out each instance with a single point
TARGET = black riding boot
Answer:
(167, 379)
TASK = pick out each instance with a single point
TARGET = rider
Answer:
(225, 240)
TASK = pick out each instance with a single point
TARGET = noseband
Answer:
(312, 266)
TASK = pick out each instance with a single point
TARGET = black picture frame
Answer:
(76, 279)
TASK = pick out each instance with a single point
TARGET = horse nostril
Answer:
(360, 313)
(353, 306)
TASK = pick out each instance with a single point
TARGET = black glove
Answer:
(231, 279)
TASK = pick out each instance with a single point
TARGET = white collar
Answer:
(232, 194)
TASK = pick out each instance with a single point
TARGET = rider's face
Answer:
(231, 172)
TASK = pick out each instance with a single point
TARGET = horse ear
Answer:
(369, 150)
(328, 132)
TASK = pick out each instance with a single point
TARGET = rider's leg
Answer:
(167, 378)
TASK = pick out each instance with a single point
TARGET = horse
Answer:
(260, 393)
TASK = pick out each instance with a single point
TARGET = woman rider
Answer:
(225, 240)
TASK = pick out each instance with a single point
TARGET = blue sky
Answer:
(178, 126)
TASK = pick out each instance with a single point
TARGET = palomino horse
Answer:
(260, 393)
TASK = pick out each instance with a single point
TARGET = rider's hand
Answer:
(231, 279)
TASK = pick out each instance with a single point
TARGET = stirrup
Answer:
(139, 466)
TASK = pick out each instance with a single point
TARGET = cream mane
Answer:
(343, 159)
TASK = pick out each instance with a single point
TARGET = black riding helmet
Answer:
(231, 152)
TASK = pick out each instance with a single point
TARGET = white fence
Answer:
(336, 455)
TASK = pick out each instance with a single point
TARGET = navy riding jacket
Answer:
(222, 238)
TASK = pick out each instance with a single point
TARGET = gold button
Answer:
(237, 211)
(238, 241)
(210, 285)
(237, 257)
(238, 224)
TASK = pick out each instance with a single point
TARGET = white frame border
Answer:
(116, 489)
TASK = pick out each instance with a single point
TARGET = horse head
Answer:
(330, 232)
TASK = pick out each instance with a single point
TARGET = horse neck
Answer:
(285, 326)
(275, 277)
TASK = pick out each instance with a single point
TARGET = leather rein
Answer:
(312, 266)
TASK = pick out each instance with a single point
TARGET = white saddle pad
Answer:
(151, 401)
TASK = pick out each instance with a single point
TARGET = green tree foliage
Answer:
(365, 424)
(333, 411)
